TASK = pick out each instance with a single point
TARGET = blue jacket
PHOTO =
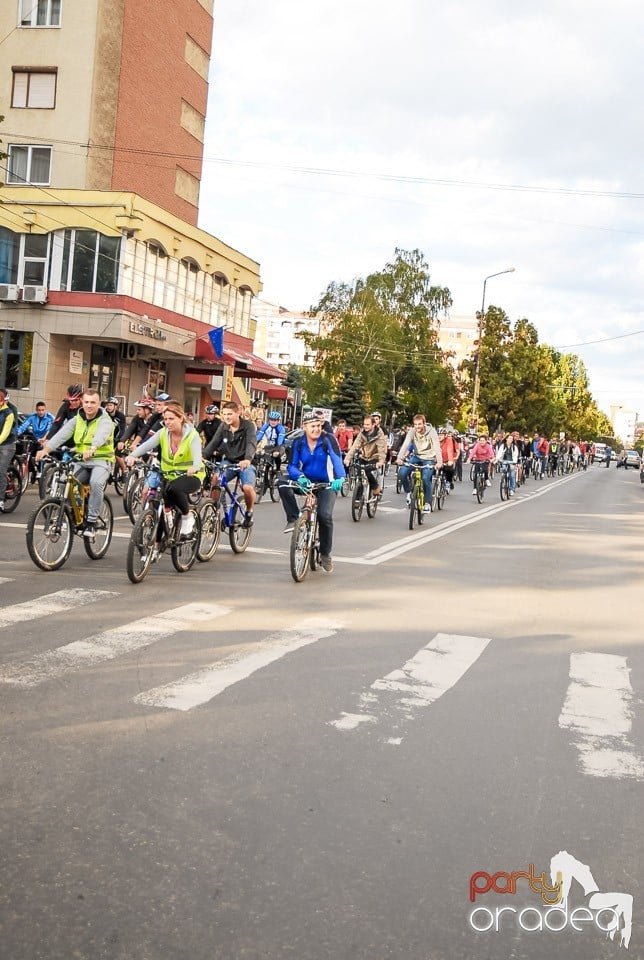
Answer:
(274, 435)
(321, 466)
(39, 426)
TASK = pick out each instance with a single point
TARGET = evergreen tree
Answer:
(348, 401)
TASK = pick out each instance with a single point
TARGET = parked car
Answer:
(632, 459)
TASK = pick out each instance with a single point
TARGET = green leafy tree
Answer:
(384, 328)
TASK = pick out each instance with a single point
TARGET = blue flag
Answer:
(216, 338)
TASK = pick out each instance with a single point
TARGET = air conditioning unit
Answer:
(9, 291)
(33, 294)
(129, 351)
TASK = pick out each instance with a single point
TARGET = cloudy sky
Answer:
(488, 133)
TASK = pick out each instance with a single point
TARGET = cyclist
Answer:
(118, 418)
(376, 416)
(481, 453)
(181, 461)
(422, 440)
(315, 458)
(509, 452)
(8, 427)
(92, 431)
(236, 440)
(371, 445)
(541, 449)
(38, 425)
(271, 435)
(68, 408)
(451, 451)
(156, 420)
(210, 424)
(136, 425)
(343, 435)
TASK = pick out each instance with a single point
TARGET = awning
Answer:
(243, 361)
(272, 391)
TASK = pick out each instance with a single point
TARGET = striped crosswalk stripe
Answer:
(200, 687)
(598, 712)
(109, 645)
(430, 673)
(51, 603)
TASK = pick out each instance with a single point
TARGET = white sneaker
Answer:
(427, 508)
(511, 493)
(488, 483)
(408, 499)
(187, 525)
(474, 492)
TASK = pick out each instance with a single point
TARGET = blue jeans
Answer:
(7, 451)
(512, 474)
(404, 473)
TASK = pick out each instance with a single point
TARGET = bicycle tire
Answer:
(357, 501)
(135, 500)
(301, 548)
(210, 532)
(273, 489)
(259, 486)
(238, 535)
(504, 486)
(372, 506)
(13, 492)
(141, 546)
(118, 479)
(420, 509)
(442, 494)
(184, 553)
(97, 548)
(314, 554)
(399, 485)
(128, 482)
(413, 512)
(480, 487)
(50, 531)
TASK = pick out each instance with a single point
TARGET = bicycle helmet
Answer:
(162, 397)
(211, 408)
(274, 415)
(114, 400)
(74, 390)
(376, 413)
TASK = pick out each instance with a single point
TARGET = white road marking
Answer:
(6, 580)
(109, 644)
(203, 685)
(598, 712)
(430, 673)
(50, 604)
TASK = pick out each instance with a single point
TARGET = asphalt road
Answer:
(226, 765)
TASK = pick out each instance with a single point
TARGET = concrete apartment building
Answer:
(105, 277)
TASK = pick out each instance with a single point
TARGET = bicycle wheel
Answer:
(260, 483)
(357, 501)
(238, 535)
(210, 531)
(275, 494)
(141, 546)
(13, 493)
(49, 534)
(504, 486)
(45, 480)
(301, 547)
(480, 486)
(441, 493)
(184, 553)
(129, 480)
(118, 479)
(372, 505)
(420, 507)
(399, 485)
(97, 548)
(413, 510)
(314, 552)
(135, 500)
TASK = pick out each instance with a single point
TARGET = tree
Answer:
(348, 400)
(384, 328)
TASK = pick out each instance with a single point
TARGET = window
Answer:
(29, 164)
(9, 256)
(34, 258)
(15, 358)
(102, 369)
(90, 262)
(40, 13)
(34, 88)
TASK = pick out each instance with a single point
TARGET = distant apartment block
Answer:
(276, 334)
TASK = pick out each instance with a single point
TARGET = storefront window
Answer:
(15, 359)
(102, 371)
(157, 377)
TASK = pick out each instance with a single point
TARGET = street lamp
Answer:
(481, 320)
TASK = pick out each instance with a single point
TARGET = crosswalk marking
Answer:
(430, 673)
(51, 603)
(598, 712)
(6, 579)
(109, 644)
(202, 686)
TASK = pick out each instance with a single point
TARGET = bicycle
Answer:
(53, 524)
(23, 459)
(13, 491)
(267, 474)
(305, 539)
(417, 493)
(231, 507)
(362, 496)
(480, 483)
(439, 490)
(159, 529)
(349, 481)
(504, 483)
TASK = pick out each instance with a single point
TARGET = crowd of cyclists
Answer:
(196, 459)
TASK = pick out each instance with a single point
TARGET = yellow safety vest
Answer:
(84, 432)
(181, 461)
